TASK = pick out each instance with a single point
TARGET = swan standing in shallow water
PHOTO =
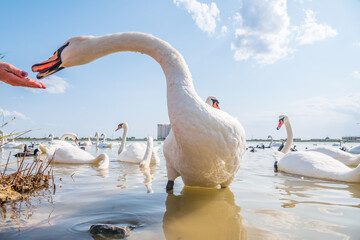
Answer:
(310, 163)
(206, 145)
(136, 152)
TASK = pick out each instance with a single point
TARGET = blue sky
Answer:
(260, 58)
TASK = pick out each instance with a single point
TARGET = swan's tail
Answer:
(104, 159)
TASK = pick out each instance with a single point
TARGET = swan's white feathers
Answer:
(207, 145)
(314, 164)
(74, 155)
(318, 165)
(344, 157)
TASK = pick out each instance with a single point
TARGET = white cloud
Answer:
(54, 85)
(311, 31)
(205, 15)
(224, 29)
(7, 113)
(263, 32)
(357, 44)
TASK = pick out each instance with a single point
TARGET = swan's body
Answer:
(103, 143)
(311, 163)
(344, 157)
(74, 155)
(354, 150)
(13, 144)
(136, 152)
(206, 145)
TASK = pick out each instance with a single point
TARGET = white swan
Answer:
(13, 144)
(310, 163)
(102, 144)
(54, 144)
(87, 143)
(74, 155)
(136, 152)
(344, 157)
(354, 150)
(206, 145)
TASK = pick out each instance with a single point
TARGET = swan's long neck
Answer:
(147, 156)
(104, 137)
(68, 135)
(90, 138)
(271, 141)
(149, 149)
(51, 136)
(181, 94)
(123, 142)
(97, 138)
(289, 141)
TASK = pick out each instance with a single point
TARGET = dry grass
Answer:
(28, 177)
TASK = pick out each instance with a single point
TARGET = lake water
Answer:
(259, 204)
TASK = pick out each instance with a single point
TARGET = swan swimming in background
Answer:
(74, 155)
(310, 163)
(54, 144)
(136, 152)
(13, 144)
(354, 150)
(87, 143)
(206, 145)
(344, 157)
(102, 144)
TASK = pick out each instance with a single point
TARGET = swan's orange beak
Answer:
(281, 122)
(76, 141)
(119, 127)
(216, 105)
(50, 66)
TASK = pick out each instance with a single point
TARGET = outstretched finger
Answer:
(16, 71)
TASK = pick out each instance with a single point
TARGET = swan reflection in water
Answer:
(203, 213)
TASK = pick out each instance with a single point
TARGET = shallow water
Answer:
(259, 204)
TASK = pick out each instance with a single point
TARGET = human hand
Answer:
(16, 77)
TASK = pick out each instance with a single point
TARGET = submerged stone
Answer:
(102, 231)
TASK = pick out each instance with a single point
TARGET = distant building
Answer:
(351, 138)
(163, 130)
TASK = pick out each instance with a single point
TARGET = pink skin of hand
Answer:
(16, 77)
